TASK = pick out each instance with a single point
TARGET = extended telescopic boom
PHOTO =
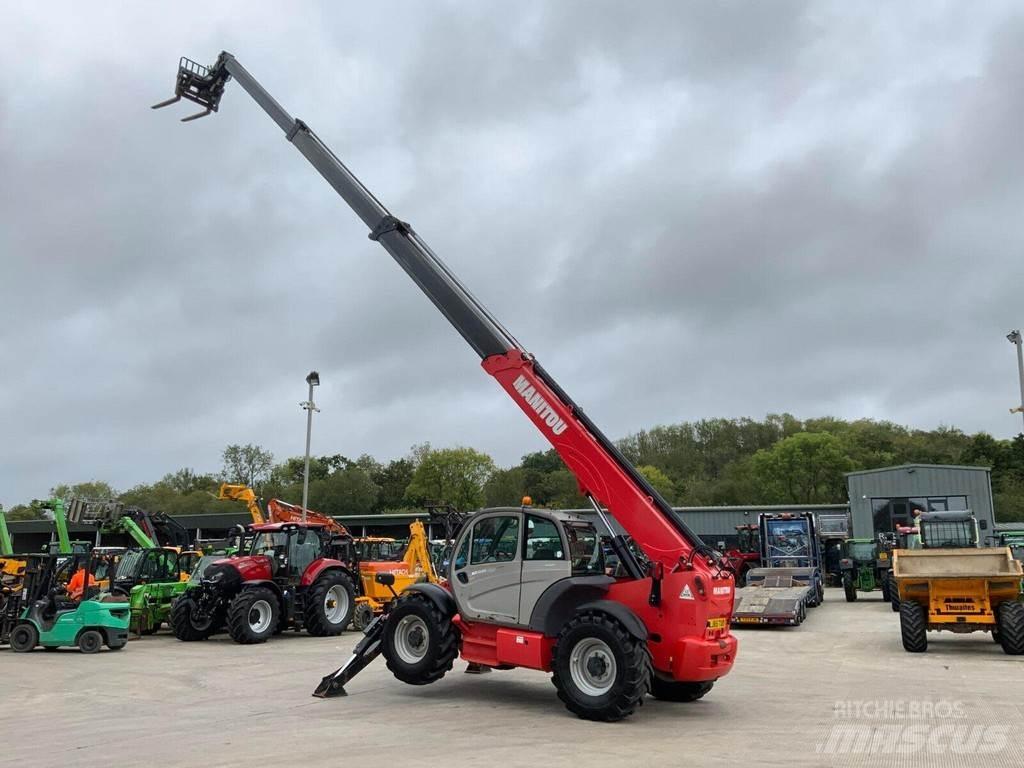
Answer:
(603, 473)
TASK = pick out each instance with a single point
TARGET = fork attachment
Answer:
(203, 85)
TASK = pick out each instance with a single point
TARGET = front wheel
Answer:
(362, 616)
(1010, 623)
(24, 638)
(885, 588)
(601, 671)
(420, 643)
(329, 606)
(672, 690)
(253, 616)
(850, 589)
(913, 627)
(188, 622)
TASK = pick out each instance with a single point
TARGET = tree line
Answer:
(779, 460)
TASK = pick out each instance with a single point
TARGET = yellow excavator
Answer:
(230, 492)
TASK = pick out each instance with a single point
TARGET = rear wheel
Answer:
(24, 638)
(188, 622)
(849, 588)
(885, 588)
(420, 643)
(1010, 621)
(600, 670)
(894, 594)
(90, 641)
(362, 616)
(672, 690)
(330, 603)
(253, 616)
(913, 627)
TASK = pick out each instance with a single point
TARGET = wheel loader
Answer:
(952, 585)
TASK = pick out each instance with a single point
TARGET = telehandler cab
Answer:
(661, 625)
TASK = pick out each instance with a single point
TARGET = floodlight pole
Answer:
(1014, 338)
(313, 379)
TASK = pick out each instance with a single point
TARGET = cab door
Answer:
(545, 561)
(486, 568)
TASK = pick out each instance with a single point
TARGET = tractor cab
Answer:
(146, 566)
(865, 566)
(948, 530)
(290, 547)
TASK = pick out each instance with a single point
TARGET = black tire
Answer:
(850, 589)
(913, 627)
(894, 594)
(362, 615)
(248, 622)
(90, 641)
(24, 638)
(632, 667)
(324, 617)
(186, 625)
(1010, 621)
(885, 588)
(420, 643)
(671, 690)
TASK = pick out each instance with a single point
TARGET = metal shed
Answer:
(882, 498)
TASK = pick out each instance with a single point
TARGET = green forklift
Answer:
(864, 565)
(42, 614)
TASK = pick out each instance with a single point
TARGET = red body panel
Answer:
(314, 569)
(250, 567)
(496, 646)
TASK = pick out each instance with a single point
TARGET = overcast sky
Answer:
(684, 210)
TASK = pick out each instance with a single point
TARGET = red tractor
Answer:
(527, 587)
(298, 575)
(746, 554)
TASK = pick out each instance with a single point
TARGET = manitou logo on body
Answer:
(539, 404)
(723, 590)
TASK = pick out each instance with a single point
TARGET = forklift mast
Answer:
(604, 475)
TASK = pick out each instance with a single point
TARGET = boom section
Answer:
(601, 470)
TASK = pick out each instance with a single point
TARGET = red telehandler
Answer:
(528, 587)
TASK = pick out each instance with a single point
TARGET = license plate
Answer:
(748, 620)
(717, 623)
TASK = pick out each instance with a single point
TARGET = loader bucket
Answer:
(104, 512)
(200, 84)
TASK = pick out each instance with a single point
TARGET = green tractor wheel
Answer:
(849, 588)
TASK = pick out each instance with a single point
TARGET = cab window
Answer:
(495, 540)
(543, 541)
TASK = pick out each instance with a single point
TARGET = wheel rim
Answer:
(260, 616)
(592, 666)
(90, 642)
(21, 637)
(412, 639)
(336, 604)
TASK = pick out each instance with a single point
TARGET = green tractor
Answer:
(865, 568)
(43, 615)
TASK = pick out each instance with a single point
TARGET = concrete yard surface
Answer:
(837, 691)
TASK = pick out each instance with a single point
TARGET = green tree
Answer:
(248, 464)
(660, 481)
(346, 491)
(505, 488)
(450, 476)
(94, 490)
(392, 479)
(805, 468)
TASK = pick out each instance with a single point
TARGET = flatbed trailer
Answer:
(790, 580)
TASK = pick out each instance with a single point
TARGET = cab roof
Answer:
(272, 527)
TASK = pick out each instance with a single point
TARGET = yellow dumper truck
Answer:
(952, 585)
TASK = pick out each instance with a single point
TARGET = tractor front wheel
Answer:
(332, 599)
(188, 623)
(894, 594)
(672, 690)
(420, 643)
(601, 671)
(849, 588)
(24, 638)
(253, 616)
(913, 627)
(1010, 617)
(884, 582)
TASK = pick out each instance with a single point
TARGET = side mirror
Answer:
(387, 579)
